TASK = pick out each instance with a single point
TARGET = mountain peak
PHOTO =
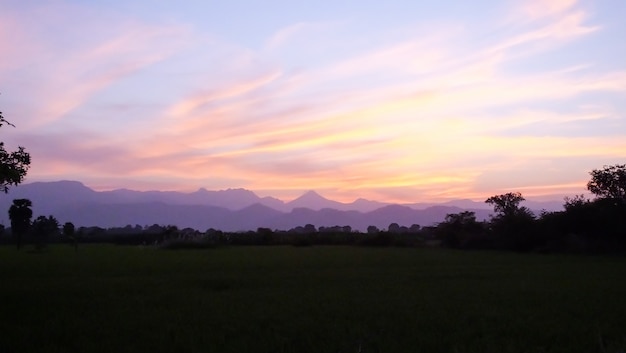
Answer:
(308, 197)
(314, 201)
(311, 193)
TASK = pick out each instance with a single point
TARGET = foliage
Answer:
(513, 226)
(591, 226)
(267, 236)
(506, 204)
(69, 230)
(609, 182)
(69, 233)
(13, 165)
(43, 228)
(372, 230)
(20, 214)
(461, 230)
(461, 220)
(575, 202)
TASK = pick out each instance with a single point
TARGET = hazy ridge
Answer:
(229, 210)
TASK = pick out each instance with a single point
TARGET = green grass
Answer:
(314, 299)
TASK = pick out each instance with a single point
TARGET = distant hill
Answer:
(229, 210)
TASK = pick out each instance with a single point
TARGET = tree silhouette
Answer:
(513, 225)
(20, 214)
(459, 229)
(506, 204)
(13, 165)
(44, 227)
(609, 182)
(69, 232)
(309, 229)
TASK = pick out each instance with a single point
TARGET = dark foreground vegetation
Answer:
(107, 298)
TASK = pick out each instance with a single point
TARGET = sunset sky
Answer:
(398, 100)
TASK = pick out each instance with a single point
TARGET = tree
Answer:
(13, 165)
(20, 214)
(309, 229)
(266, 235)
(69, 232)
(372, 230)
(576, 202)
(394, 228)
(459, 229)
(44, 227)
(506, 204)
(513, 226)
(463, 219)
(609, 182)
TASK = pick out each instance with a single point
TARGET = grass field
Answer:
(314, 299)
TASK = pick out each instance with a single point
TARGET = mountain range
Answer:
(228, 210)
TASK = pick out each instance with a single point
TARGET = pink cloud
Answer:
(188, 105)
(66, 80)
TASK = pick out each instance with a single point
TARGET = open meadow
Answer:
(107, 298)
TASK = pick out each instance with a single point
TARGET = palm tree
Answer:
(20, 214)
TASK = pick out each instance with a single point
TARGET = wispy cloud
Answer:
(430, 113)
(537, 9)
(187, 106)
(67, 77)
(297, 32)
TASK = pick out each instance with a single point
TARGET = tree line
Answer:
(584, 225)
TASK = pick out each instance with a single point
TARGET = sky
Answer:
(396, 101)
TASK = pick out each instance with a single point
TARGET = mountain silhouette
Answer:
(228, 210)
(314, 201)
